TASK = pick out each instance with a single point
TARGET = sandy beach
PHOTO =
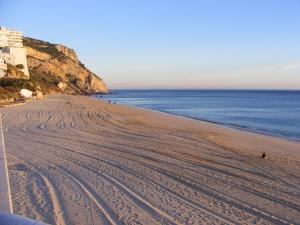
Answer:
(78, 160)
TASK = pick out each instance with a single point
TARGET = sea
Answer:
(271, 112)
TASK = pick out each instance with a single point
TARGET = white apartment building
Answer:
(10, 38)
(13, 52)
(3, 66)
(3, 38)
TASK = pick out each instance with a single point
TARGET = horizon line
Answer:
(210, 89)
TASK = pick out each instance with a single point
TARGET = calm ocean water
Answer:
(275, 113)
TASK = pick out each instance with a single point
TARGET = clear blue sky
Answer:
(170, 43)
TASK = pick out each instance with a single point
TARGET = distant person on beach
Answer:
(264, 155)
(108, 101)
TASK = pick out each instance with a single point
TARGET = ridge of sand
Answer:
(78, 160)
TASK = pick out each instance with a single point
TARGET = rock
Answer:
(62, 86)
(6, 100)
(62, 64)
(38, 92)
(26, 93)
(68, 52)
(14, 73)
(37, 54)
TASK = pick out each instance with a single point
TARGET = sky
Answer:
(139, 44)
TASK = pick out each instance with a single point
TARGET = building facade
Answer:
(3, 66)
(12, 50)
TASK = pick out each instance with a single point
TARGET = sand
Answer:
(77, 160)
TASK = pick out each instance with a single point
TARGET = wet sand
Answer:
(77, 160)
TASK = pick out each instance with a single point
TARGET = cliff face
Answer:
(57, 69)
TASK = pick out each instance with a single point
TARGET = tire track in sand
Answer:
(58, 212)
(87, 190)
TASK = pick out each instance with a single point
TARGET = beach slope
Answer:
(78, 160)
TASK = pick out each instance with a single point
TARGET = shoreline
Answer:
(228, 131)
(229, 126)
(137, 166)
(224, 125)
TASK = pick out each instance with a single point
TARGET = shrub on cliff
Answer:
(45, 47)
(20, 66)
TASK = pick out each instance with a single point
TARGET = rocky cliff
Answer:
(56, 68)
